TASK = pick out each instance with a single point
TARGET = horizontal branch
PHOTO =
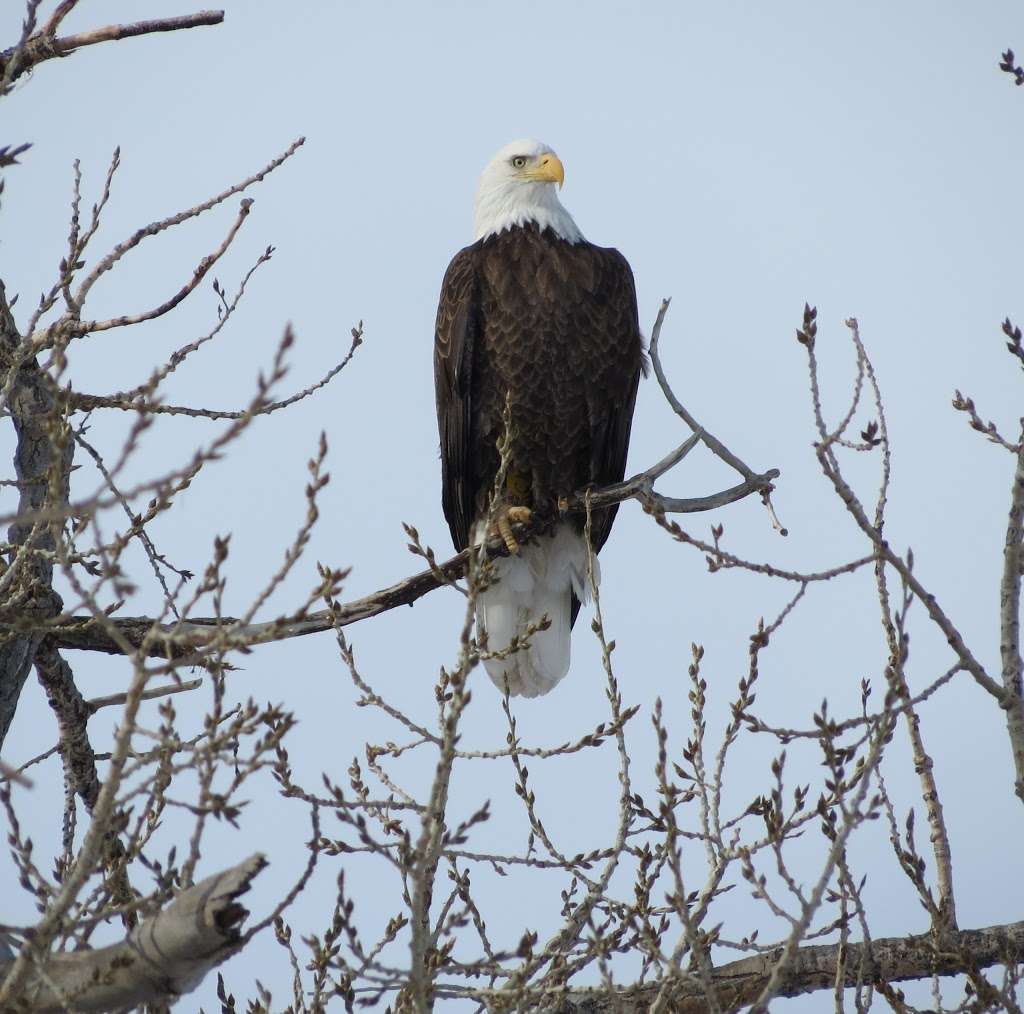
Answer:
(116, 700)
(187, 639)
(164, 957)
(893, 959)
(43, 46)
(639, 488)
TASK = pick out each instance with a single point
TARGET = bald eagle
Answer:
(533, 313)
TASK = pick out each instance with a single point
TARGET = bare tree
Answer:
(641, 919)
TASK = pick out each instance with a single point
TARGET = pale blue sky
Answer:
(745, 158)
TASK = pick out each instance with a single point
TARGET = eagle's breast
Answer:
(551, 341)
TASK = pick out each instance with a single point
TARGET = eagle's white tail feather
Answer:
(537, 581)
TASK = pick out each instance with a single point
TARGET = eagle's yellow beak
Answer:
(549, 170)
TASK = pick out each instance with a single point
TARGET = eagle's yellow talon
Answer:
(505, 531)
(505, 520)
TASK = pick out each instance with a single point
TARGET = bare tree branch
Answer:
(89, 402)
(42, 45)
(83, 327)
(10, 774)
(72, 712)
(165, 956)
(711, 442)
(942, 621)
(42, 464)
(641, 898)
(813, 968)
(1009, 621)
(9, 154)
(114, 700)
(185, 641)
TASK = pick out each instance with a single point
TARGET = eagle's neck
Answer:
(504, 205)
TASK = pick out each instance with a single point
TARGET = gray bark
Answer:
(33, 406)
(893, 959)
(164, 957)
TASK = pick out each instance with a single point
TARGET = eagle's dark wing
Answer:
(454, 336)
(616, 328)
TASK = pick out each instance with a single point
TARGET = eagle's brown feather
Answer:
(554, 325)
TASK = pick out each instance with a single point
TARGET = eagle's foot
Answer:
(508, 517)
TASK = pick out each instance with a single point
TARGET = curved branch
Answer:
(711, 442)
(752, 481)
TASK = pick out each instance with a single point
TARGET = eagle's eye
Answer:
(519, 161)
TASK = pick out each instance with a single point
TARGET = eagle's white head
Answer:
(517, 187)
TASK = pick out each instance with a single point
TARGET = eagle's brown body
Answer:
(552, 325)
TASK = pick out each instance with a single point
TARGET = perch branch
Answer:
(186, 640)
(641, 487)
